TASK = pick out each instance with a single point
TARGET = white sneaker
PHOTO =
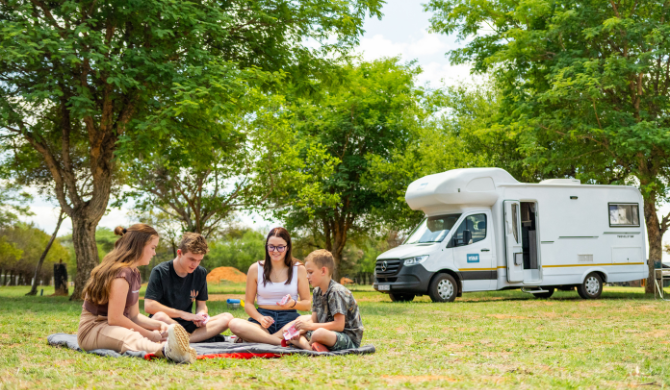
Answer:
(177, 347)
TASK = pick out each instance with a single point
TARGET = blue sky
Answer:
(402, 31)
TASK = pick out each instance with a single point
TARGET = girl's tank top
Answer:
(271, 293)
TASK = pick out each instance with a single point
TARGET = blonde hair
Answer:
(127, 250)
(322, 258)
(194, 243)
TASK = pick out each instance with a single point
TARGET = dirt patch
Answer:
(223, 297)
(226, 274)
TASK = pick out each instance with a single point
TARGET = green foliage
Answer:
(235, 248)
(22, 245)
(89, 88)
(584, 83)
(374, 109)
(13, 203)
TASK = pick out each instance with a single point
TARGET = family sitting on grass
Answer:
(111, 318)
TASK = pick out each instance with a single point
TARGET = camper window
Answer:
(472, 229)
(433, 229)
(515, 218)
(624, 215)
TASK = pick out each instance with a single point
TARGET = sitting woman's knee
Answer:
(236, 324)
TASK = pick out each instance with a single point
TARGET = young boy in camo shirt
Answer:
(335, 323)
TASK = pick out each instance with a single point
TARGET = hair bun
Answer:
(120, 231)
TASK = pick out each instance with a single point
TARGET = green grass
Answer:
(483, 340)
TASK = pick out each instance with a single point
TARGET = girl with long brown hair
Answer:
(267, 283)
(110, 317)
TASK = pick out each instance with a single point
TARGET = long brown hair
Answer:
(127, 250)
(288, 259)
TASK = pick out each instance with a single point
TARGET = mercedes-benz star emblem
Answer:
(384, 266)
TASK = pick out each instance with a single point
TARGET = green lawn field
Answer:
(483, 340)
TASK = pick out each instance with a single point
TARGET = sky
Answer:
(402, 31)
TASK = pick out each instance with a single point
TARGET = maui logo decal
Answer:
(473, 258)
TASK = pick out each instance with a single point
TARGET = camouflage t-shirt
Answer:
(338, 299)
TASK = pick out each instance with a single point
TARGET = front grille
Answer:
(392, 266)
(385, 280)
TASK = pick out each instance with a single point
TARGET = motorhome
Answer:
(483, 230)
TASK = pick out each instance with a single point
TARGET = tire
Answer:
(401, 297)
(591, 287)
(443, 288)
(545, 295)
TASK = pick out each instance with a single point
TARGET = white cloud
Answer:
(378, 47)
(428, 44)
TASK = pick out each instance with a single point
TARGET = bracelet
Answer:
(294, 304)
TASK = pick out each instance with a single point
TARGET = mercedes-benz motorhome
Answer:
(484, 231)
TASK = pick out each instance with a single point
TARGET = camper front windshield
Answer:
(433, 229)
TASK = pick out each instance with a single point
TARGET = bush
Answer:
(237, 249)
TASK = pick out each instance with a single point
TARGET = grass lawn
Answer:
(483, 340)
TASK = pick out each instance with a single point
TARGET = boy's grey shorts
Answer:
(343, 341)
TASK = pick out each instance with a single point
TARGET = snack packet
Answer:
(206, 318)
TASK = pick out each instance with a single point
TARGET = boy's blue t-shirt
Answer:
(338, 300)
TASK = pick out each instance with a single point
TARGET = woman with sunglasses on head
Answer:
(268, 282)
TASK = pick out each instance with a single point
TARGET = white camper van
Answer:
(485, 231)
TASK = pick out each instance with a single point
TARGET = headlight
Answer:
(415, 260)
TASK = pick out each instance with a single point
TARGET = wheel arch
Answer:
(599, 271)
(455, 275)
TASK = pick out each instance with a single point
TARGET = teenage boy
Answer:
(173, 287)
(335, 322)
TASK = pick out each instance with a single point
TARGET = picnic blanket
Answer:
(223, 349)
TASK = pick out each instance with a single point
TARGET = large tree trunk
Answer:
(33, 290)
(83, 239)
(655, 237)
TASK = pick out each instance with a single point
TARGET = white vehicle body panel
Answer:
(572, 235)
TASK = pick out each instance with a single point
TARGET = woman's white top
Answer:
(271, 293)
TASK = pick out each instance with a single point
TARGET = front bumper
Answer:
(413, 279)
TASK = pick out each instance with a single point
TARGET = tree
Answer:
(374, 109)
(29, 243)
(238, 248)
(585, 83)
(83, 81)
(38, 267)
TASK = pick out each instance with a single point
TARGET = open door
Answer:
(513, 241)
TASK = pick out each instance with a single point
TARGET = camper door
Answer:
(513, 243)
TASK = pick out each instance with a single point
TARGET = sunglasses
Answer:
(279, 249)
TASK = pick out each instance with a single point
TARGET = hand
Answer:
(192, 317)
(289, 304)
(303, 325)
(163, 329)
(200, 322)
(266, 322)
(155, 336)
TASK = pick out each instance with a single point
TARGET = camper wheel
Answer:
(592, 286)
(545, 295)
(401, 297)
(443, 288)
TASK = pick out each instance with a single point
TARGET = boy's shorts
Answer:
(189, 326)
(343, 341)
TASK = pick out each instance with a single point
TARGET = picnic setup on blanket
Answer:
(224, 349)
